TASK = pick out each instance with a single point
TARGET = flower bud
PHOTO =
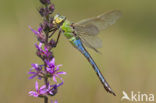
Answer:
(52, 43)
(44, 12)
(45, 1)
(38, 53)
(41, 38)
(51, 8)
(47, 26)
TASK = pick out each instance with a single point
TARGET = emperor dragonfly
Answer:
(85, 32)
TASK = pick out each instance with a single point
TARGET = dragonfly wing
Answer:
(88, 33)
(89, 29)
(92, 42)
(102, 21)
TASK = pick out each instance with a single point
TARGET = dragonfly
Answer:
(84, 33)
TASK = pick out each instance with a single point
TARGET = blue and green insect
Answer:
(85, 33)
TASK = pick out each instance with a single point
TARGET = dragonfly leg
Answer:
(58, 38)
(52, 33)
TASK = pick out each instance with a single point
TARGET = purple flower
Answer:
(38, 70)
(39, 46)
(36, 32)
(43, 52)
(51, 64)
(53, 88)
(39, 91)
(54, 101)
(42, 91)
(40, 36)
(53, 70)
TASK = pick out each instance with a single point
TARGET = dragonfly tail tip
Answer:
(113, 93)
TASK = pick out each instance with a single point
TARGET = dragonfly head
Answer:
(59, 19)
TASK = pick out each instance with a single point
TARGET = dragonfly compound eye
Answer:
(58, 19)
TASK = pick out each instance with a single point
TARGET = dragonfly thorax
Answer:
(67, 29)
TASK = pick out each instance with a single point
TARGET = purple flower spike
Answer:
(38, 70)
(47, 70)
(39, 91)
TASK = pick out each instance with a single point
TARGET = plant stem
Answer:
(45, 65)
(46, 83)
(45, 99)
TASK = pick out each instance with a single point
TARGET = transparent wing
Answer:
(102, 21)
(88, 36)
(90, 30)
(87, 29)
(92, 42)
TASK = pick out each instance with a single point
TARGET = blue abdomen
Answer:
(78, 44)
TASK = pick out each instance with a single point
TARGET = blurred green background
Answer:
(128, 59)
